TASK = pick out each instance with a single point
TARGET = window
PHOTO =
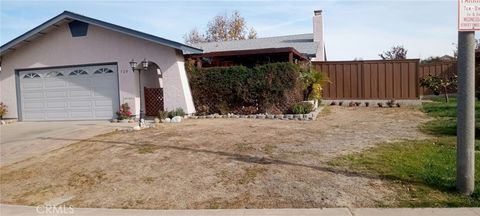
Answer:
(31, 76)
(103, 71)
(54, 74)
(77, 72)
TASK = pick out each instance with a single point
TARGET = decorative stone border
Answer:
(302, 117)
(7, 121)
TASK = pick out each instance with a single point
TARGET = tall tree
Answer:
(395, 53)
(194, 37)
(222, 28)
(252, 34)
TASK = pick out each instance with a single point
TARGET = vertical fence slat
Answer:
(379, 79)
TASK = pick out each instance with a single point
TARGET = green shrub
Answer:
(301, 108)
(268, 87)
(171, 114)
(3, 110)
(162, 114)
(179, 112)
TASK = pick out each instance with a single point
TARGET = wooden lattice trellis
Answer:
(153, 101)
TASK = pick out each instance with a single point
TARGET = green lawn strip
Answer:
(424, 170)
(445, 123)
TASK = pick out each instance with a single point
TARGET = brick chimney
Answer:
(318, 35)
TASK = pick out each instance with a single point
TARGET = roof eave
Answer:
(69, 15)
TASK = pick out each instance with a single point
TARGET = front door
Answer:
(153, 101)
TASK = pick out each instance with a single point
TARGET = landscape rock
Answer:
(176, 119)
(137, 128)
(156, 120)
(166, 120)
(261, 116)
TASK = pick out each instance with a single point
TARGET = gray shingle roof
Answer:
(303, 43)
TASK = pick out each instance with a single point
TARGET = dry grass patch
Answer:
(217, 163)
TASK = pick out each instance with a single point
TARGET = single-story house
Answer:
(251, 52)
(74, 67)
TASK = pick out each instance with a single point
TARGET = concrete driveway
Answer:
(22, 140)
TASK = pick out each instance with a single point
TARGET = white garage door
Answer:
(70, 93)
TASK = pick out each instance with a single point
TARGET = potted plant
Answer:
(380, 104)
(367, 104)
(124, 114)
(390, 103)
(3, 110)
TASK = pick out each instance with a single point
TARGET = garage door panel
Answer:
(103, 93)
(81, 114)
(33, 104)
(57, 115)
(46, 95)
(76, 93)
(34, 115)
(56, 104)
(80, 104)
(79, 82)
(60, 94)
(32, 95)
(103, 103)
(29, 85)
(55, 83)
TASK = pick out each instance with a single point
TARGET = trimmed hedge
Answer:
(271, 88)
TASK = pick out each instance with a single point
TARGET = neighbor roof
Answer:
(303, 43)
(68, 16)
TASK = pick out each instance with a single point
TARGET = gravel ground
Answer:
(218, 163)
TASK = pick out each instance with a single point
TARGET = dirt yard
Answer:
(217, 163)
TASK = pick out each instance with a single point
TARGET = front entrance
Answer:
(153, 101)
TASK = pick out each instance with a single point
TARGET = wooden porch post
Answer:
(290, 57)
(199, 62)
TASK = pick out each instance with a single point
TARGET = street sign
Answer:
(468, 15)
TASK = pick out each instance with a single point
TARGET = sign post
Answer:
(468, 23)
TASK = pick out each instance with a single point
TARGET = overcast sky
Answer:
(353, 29)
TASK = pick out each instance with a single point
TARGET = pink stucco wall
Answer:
(59, 48)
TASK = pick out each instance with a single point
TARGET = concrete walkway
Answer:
(21, 140)
(7, 210)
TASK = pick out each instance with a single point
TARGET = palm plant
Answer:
(313, 81)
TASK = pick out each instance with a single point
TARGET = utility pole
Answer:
(466, 113)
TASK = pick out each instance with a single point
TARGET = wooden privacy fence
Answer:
(442, 69)
(378, 79)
